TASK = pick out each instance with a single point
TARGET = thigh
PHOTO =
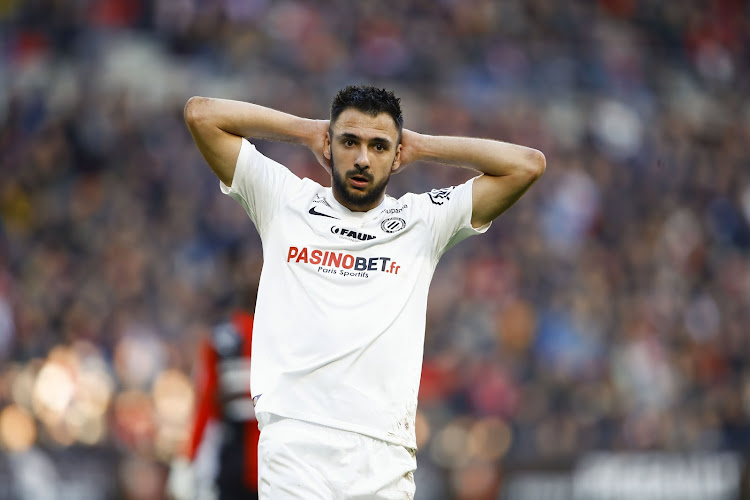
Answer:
(284, 465)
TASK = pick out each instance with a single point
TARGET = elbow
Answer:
(536, 164)
(195, 111)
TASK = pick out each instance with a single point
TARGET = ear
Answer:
(397, 160)
(327, 146)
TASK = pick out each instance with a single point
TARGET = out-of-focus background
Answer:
(594, 344)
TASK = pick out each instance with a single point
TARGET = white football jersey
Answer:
(340, 316)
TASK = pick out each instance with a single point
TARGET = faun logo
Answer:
(350, 234)
(393, 224)
(440, 196)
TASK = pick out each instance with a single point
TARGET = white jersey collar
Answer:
(358, 216)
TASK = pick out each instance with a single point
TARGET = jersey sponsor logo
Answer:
(440, 196)
(393, 224)
(351, 234)
(320, 199)
(395, 210)
(312, 211)
(344, 264)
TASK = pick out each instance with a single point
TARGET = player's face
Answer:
(363, 150)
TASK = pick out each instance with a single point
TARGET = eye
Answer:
(379, 147)
(348, 143)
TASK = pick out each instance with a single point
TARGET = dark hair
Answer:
(369, 100)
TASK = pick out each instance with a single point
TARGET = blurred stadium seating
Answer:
(595, 344)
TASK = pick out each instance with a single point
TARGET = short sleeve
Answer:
(448, 212)
(260, 185)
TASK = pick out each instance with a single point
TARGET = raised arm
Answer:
(217, 126)
(508, 169)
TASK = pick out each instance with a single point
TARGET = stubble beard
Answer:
(354, 199)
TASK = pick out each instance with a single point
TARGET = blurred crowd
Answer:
(608, 310)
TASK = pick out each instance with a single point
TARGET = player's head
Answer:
(363, 144)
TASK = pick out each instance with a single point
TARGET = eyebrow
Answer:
(374, 140)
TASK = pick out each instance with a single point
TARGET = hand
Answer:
(409, 152)
(317, 143)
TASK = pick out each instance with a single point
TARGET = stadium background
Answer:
(594, 344)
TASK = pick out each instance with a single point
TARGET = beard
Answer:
(353, 198)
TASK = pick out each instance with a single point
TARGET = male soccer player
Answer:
(340, 316)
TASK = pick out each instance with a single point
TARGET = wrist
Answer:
(421, 146)
(312, 132)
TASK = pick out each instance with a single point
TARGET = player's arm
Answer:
(218, 125)
(508, 169)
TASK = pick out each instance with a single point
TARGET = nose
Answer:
(362, 161)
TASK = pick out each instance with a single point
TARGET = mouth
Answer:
(359, 180)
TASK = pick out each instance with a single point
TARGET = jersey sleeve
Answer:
(260, 185)
(448, 211)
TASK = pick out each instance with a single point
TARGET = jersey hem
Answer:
(344, 426)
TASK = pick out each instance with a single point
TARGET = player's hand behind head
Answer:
(317, 143)
(408, 149)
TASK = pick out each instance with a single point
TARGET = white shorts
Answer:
(302, 460)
